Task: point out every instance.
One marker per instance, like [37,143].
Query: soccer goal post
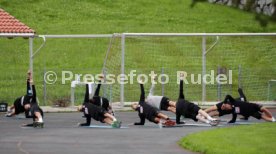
[69,57]
[246,59]
[271,90]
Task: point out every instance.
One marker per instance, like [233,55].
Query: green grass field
[108,17]
[252,139]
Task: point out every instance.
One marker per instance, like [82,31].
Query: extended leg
[172,103]
[214,113]
[167,122]
[172,109]
[162,116]
[12,107]
[38,116]
[38,121]
[108,121]
[11,111]
[157,120]
[266,112]
[202,119]
[203,113]
[107,115]
[10,114]
[267,115]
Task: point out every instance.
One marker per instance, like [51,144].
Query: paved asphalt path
[61,135]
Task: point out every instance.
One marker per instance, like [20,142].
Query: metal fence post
[31,41]
[72,96]
[268,91]
[44,88]
[122,70]
[163,86]
[240,77]
[203,68]
[219,85]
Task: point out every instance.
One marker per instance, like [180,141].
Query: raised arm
[210,109]
[178,116]
[142,96]
[234,117]
[242,96]
[88,120]
[151,93]
[29,89]
[181,93]
[86,96]
[85,110]
[97,92]
[29,82]
[34,91]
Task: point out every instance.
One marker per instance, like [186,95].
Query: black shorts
[101,119]
[99,115]
[152,115]
[105,104]
[191,115]
[192,111]
[257,115]
[101,102]
[18,107]
[257,107]
[27,100]
[164,103]
[35,108]
[255,110]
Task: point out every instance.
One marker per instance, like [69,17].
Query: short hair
[228,100]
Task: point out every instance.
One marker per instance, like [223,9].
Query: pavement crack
[20,148]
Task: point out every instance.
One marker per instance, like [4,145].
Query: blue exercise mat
[103,126]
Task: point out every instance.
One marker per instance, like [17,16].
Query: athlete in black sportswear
[246,109]
[217,111]
[146,111]
[20,103]
[190,110]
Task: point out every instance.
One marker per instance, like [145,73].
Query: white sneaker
[38,124]
[8,114]
[160,124]
[9,111]
[214,122]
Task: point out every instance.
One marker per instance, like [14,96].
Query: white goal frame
[204,51]
[126,35]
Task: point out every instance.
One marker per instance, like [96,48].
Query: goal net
[271,93]
[245,59]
